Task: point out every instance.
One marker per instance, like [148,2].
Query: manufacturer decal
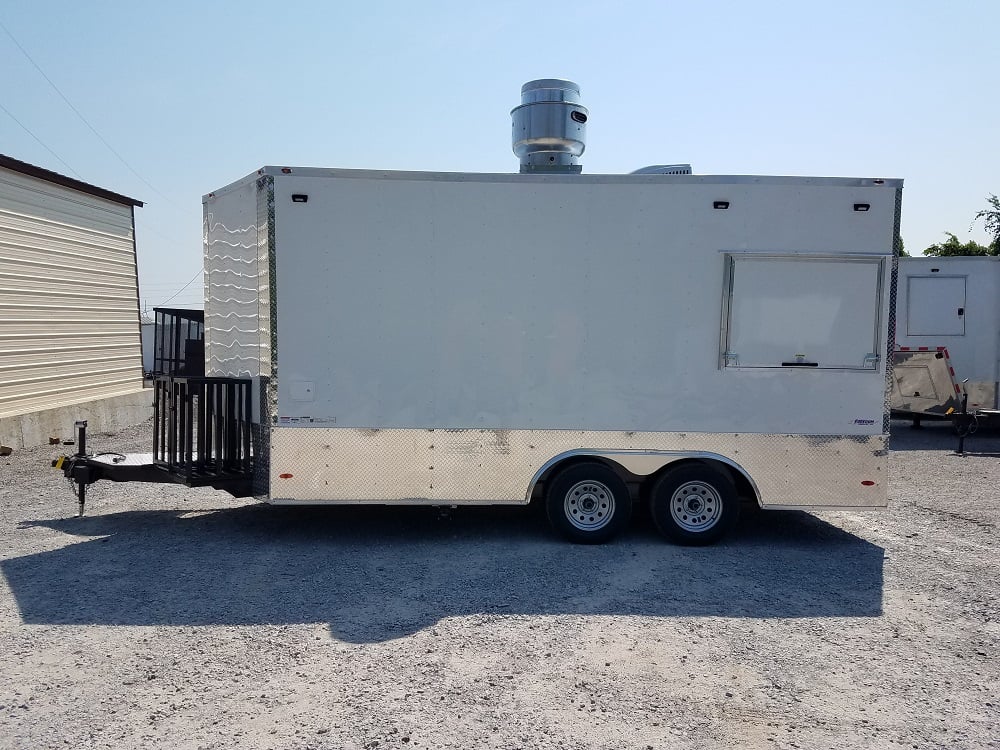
[864,422]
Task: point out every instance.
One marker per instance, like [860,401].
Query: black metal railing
[201,429]
[179,342]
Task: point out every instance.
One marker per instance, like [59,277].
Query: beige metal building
[69,306]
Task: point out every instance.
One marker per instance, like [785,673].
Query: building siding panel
[69,309]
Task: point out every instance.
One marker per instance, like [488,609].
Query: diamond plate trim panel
[266,277]
[340,465]
[897,241]
[267,334]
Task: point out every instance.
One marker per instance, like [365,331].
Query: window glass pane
[806,311]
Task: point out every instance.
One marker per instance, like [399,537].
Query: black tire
[694,504]
[588,503]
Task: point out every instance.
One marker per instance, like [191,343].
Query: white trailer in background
[593,341]
[954,303]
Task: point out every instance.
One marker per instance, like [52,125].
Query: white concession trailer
[593,341]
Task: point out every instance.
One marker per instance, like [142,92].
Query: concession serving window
[802,311]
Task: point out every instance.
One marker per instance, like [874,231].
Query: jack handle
[77,467]
[962,420]
[81,451]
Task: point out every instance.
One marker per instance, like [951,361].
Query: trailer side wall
[563,304]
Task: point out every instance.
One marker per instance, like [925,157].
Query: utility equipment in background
[923,385]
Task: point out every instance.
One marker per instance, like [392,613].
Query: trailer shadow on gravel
[375,574]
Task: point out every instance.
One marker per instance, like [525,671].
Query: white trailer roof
[276,171]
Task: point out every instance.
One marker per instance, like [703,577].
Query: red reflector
[866,482]
[284,476]
[285,170]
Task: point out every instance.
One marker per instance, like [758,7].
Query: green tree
[991,221]
[953,246]
[899,244]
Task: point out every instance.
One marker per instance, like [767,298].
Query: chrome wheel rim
[589,505]
[696,506]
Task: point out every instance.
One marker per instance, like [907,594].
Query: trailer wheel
[694,505]
[588,503]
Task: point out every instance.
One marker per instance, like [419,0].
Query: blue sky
[195,95]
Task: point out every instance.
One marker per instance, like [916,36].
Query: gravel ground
[177,618]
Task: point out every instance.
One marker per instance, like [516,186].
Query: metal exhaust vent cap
[549,128]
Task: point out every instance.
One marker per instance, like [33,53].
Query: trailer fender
[640,463]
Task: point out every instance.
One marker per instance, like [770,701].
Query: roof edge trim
[60,179]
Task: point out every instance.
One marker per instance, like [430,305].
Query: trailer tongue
[201,438]
[83,468]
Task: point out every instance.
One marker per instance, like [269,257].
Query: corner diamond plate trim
[341,465]
[267,335]
[891,337]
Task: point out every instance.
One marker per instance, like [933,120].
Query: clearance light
[284,476]
[866,483]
